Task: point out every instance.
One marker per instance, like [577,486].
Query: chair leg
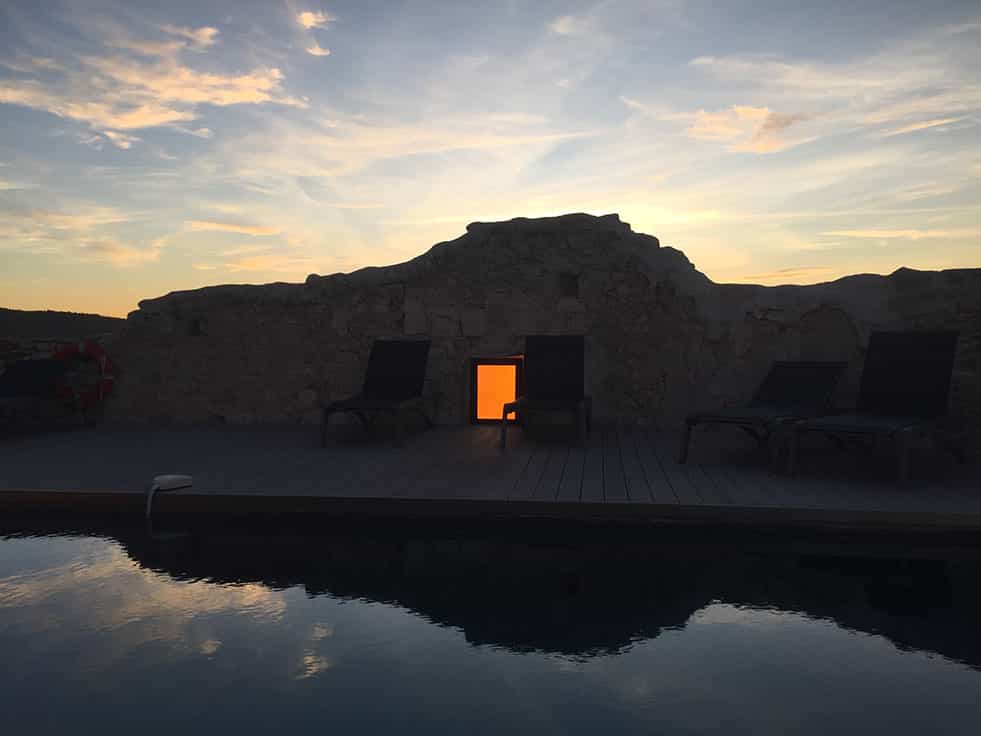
[399,417]
[774,439]
[902,439]
[685,441]
[504,428]
[793,439]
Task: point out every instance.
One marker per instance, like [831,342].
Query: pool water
[118,632]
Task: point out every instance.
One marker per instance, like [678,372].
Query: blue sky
[147,149]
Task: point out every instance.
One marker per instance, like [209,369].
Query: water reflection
[611,634]
[555,596]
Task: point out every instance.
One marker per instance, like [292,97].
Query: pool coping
[129,503]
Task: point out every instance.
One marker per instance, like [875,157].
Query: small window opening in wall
[569,285]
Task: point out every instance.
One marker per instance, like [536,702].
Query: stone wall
[662,338]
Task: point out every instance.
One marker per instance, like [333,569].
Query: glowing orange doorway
[495,383]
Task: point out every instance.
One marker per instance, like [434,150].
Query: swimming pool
[112,631]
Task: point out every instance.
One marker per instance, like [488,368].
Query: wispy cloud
[271,263]
[199,38]
[923,125]
[230,227]
[343,147]
[741,127]
[910,234]
[121,140]
[150,89]
[314,19]
[317,50]
[802,275]
[115,252]
[571,25]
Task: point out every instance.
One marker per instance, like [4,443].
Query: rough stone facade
[662,339]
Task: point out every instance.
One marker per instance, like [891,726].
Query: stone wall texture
[662,339]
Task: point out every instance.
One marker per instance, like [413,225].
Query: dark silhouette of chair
[903,393]
[392,386]
[791,390]
[553,371]
[26,383]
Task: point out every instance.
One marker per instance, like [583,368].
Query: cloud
[571,25]
[200,38]
[909,234]
[65,104]
[151,88]
[924,125]
[800,275]
[30,64]
[743,127]
[345,146]
[317,50]
[926,77]
[79,234]
[245,250]
[229,227]
[147,48]
[270,263]
[196,132]
[172,82]
[122,140]
[314,19]
[115,252]
[726,125]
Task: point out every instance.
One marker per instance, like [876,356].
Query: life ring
[92,394]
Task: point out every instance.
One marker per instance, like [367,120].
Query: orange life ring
[87,350]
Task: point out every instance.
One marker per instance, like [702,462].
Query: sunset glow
[148,148]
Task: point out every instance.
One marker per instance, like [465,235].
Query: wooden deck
[623,472]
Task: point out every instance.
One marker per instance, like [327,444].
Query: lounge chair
[903,393]
[26,384]
[791,390]
[553,381]
[392,386]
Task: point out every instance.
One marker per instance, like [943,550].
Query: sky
[149,147]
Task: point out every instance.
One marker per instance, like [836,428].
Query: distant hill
[20,324]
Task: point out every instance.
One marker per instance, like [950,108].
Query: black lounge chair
[26,384]
[791,390]
[392,386]
[553,381]
[903,393]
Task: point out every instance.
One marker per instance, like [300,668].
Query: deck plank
[548,483]
[681,477]
[570,485]
[614,480]
[638,489]
[657,480]
[592,471]
[525,484]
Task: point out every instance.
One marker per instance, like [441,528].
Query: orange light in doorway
[495,387]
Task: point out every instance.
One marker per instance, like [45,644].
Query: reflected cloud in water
[484,634]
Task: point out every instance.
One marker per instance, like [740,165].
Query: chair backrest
[907,374]
[553,367]
[806,385]
[34,378]
[396,369]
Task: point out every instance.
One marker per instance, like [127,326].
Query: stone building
[662,339]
